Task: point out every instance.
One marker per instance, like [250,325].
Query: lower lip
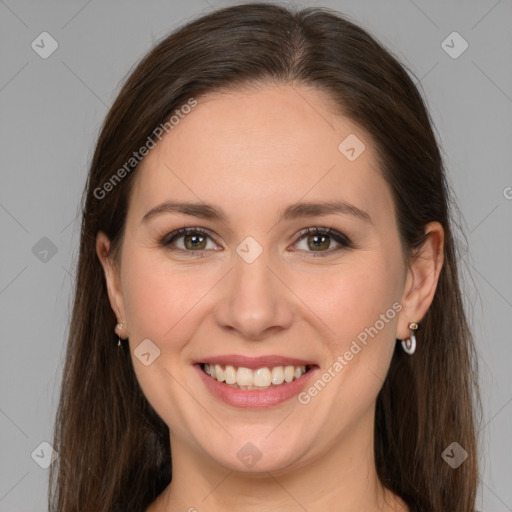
[254,398]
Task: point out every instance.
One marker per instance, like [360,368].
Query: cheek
[165,301]
[148,294]
[351,298]
[162,305]
[360,306]
[158,300]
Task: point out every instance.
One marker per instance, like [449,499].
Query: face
[264,287]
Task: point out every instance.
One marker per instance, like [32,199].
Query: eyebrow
[294,211]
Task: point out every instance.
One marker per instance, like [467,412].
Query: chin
[257,453]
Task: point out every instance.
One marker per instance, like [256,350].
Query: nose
[255,301]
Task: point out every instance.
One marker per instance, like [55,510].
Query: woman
[267,286]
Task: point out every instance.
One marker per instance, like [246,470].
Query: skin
[254,153]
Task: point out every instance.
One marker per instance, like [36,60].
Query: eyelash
[343,240]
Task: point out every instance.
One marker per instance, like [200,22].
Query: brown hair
[113,448]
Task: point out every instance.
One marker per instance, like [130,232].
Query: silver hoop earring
[409,345]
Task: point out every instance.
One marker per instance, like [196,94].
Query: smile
[255,382]
[259,379]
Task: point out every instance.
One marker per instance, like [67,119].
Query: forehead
[250,150]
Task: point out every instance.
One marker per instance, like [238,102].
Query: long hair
[113,448]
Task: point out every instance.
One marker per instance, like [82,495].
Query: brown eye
[195,240]
[320,240]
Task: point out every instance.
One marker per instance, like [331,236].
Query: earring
[409,345]
[119,327]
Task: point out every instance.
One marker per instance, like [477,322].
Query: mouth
[255,382]
[259,379]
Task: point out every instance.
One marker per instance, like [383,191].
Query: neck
[342,478]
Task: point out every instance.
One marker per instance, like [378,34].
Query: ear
[111,276]
[422,279]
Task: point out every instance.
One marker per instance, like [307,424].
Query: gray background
[51,110]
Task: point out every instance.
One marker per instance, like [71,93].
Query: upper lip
[255,362]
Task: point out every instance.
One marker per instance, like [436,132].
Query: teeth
[230,375]
[262,378]
[289,373]
[219,373]
[277,375]
[244,377]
